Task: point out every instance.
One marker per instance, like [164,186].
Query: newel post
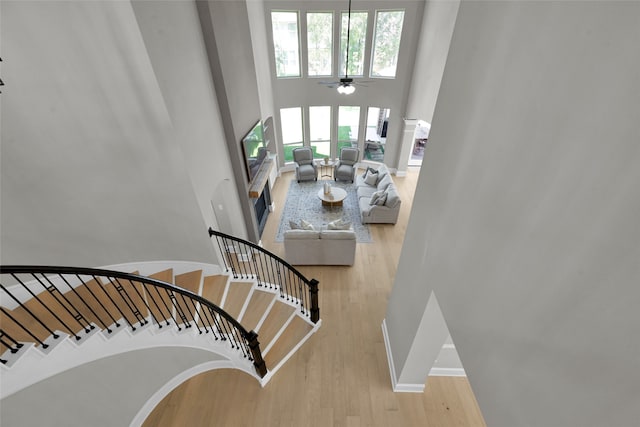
[315,307]
[258,361]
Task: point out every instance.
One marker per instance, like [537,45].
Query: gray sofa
[378,199]
[325,247]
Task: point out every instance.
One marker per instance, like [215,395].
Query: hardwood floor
[340,376]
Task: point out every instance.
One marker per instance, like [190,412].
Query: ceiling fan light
[346,89]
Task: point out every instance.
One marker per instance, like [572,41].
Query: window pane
[285,43]
[291,121]
[320,130]
[386,44]
[348,122]
[357,36]
[376,133]
[319,42]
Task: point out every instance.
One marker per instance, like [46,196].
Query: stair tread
[213,288]
[277,317]
[236,297]
[295,331]
[158,299]
[189,281]
[38,308]
[258,305]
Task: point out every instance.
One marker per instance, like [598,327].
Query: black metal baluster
[11,343]
[153,300]
[254,259]
[24,328]
[206,321]
[77,337]
[190,311]
[225,329]
[216,321]
[117,307]
[261,275]
[239,260]
[143,299]
[128,300]
[98,318]
[52,288]
[169,309]
[272,274]
[178,309]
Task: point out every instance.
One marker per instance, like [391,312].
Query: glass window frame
[287,147]
[332,43]
[342,71]
[314,143]
[375,45]
[352,141]
[275,45]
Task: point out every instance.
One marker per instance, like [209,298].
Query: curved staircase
[54,323]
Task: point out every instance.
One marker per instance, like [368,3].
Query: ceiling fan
[346,85]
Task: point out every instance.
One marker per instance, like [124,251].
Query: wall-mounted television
[254,149]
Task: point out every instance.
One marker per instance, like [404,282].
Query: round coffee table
[334,198]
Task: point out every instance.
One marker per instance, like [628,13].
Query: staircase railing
[247,260]
[43,299]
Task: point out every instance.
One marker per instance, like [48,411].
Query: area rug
[303,203]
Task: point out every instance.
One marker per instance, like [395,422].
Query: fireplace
[261,205]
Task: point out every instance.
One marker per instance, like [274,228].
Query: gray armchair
[306,168]
[345,168]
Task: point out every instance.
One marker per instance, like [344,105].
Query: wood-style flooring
[340,376]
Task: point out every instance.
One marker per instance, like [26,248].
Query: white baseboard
[447,372]
[397,387]
[415,388]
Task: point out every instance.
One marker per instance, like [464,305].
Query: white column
[406,145]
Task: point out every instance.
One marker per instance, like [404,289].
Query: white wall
[90,152]
[526,223]
[433,47]
[175,45]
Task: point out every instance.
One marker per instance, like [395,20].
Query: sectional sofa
[378,196]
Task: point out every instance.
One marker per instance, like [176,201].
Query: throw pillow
[305,225]
[294,225]
[383,182]
[393,198]
[378,198]
[371,178]
[339,224]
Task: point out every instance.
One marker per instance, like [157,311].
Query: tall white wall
[98,139]
[433,46]
[526,225]
[175,45]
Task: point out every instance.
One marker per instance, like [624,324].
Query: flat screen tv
[254,149]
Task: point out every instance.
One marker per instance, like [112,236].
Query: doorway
[420,138]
